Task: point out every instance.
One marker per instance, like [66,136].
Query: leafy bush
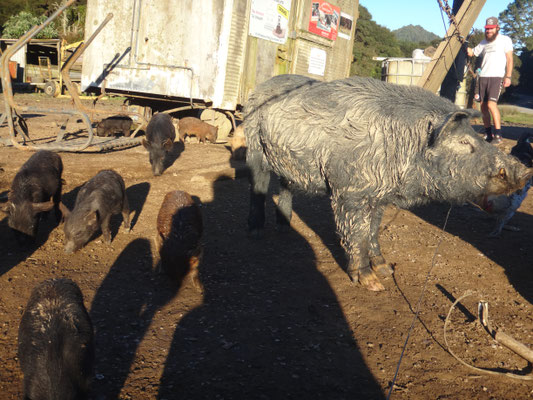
[17,25]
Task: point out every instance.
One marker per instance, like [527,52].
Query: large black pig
[35,184]
[367,144]
[160,136]
[56,343]
[99,198]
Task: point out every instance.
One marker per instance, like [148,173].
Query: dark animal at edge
[502,207]
[367,144]
[160,136]
[56,343]
[114,124]
[179,234]
[35,189]
[99,198]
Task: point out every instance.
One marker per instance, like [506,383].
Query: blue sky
[394,14]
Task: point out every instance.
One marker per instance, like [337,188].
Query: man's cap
[492,22]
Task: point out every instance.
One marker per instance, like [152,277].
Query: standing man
[496,70]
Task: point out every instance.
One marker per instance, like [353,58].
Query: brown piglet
[190,126]
[178,239]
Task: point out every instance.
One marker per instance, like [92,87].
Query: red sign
[324,19]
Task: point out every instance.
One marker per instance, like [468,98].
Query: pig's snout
[508,179]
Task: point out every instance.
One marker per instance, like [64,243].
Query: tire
[51,89]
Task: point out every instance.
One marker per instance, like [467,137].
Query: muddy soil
[278,318]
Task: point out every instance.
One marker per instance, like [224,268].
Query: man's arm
[508,69]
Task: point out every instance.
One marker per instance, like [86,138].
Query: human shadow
[137,195]
[173,154]
[510,250]
[270,325]
[122,310]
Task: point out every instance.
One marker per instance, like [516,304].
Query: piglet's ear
[40,207]
[167,144]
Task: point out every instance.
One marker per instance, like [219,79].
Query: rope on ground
[483,308]
[417,311]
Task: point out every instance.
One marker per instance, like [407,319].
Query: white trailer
[212,53]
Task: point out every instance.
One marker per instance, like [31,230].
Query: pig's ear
[146,144]
[167,144]
[454,119]
[40,207]
[92,218]
[64,209]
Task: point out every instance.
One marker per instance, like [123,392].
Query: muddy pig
[367,144]
[116,123]
[160,136]
[37,181]
[179,233]
[99,198]
[190,126]
[56,343]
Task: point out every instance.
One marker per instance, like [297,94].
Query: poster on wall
[345,26]
[324,19]
[317,61]
[269,19]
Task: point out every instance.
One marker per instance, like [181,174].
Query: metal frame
[13,111]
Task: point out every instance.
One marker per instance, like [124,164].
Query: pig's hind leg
[126,214]
[353,218]
[377,260]
[284,207]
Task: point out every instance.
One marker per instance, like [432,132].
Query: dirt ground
[278,318]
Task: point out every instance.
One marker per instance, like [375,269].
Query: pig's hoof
[380,266]
[370,281]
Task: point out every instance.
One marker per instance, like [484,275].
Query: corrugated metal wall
[236,51]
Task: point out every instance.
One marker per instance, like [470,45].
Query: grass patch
[513,116]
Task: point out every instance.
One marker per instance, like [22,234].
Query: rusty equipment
[13,112]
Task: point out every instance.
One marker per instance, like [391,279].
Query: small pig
[56,343]
[99,198]
[160,136]
[179,232]
[116,123]
[238,144]
[37,181]
[190,126]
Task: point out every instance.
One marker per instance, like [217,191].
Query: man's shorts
[488,89]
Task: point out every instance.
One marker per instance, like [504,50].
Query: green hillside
[414,33]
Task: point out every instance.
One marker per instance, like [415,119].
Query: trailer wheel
[51,89]
[219,120]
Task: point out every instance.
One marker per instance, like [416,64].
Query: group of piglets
[56,338]
[161,134]
[36,189]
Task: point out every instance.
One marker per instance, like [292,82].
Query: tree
[18,25]
[371,40]
[517,22]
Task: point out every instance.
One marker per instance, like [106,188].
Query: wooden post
[450,46]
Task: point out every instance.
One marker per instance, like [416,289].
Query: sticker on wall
[317,61]
[324,19]
[345,26]
[269,20]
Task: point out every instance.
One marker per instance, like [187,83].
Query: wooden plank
[447,51]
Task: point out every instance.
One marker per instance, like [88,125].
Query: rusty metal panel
[160,47]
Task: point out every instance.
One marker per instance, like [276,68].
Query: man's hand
[470,52]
